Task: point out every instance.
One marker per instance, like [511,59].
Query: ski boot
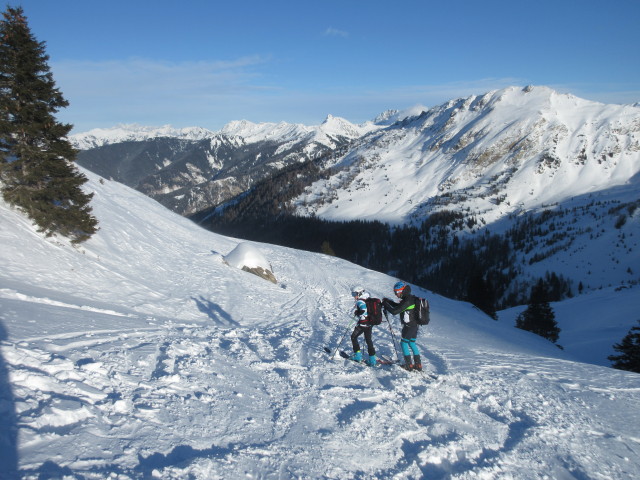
[407,363]
[357,356]
[417,363]
[373,361]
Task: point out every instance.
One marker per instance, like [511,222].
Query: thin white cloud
[150,78]
[144,91]
[334,32]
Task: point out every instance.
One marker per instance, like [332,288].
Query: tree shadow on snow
[8,423]
[215,312]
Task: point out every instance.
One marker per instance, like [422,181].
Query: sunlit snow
[143,354]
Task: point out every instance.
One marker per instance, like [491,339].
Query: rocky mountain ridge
[506,151]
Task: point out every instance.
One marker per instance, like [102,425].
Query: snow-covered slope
[506,151]
[141,354]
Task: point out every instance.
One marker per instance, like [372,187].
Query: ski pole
[393,337]
[341,340]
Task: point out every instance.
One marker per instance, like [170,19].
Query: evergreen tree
[326,249]
[629,351]
[539,317]
[37,174]
[481,294]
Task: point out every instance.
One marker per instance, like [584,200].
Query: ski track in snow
[266,388]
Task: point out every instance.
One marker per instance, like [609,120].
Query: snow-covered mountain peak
[326,133]
[386,118]
[257,132]
[389,117]
[340,127]
[135,133]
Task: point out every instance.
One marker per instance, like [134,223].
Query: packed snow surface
[142,354]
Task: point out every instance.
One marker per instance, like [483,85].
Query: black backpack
[374,311]
[422,306]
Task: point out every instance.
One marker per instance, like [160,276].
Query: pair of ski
[382,361]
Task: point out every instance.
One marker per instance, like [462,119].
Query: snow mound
[248,258]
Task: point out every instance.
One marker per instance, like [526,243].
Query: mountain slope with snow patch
[516,148]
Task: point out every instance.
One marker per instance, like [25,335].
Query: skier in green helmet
[407,309]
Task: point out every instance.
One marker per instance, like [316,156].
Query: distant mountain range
[518,148]
[191,169]
[495,159]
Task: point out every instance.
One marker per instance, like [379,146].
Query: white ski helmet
[357,291]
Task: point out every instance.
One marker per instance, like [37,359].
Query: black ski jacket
[407,306]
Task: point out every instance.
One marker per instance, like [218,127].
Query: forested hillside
[492,270]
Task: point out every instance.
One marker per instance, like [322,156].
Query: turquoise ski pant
[408,342]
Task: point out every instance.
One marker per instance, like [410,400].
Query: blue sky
[206,63]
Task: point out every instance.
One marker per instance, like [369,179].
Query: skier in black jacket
[408,309]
